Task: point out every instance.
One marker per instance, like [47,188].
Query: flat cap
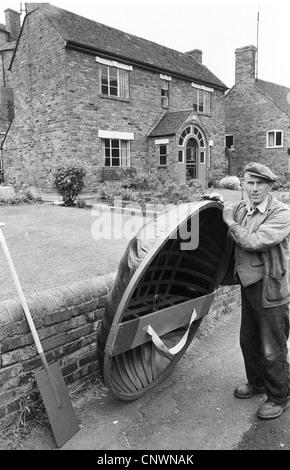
[257,169]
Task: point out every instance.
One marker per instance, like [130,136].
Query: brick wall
[59,109]
[66,319]
[38,135]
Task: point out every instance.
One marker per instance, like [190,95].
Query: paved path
[194,409]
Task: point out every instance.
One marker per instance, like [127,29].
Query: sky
[217,28]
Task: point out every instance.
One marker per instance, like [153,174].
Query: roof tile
[77,29]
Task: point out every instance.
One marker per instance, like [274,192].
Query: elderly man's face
[256,188]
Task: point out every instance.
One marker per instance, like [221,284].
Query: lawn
[52,245]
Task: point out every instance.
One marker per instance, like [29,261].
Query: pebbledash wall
[66,318]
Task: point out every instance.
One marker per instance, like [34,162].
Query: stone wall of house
[249,114]
[59,109]
[66,319]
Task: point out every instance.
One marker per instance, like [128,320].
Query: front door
[191,159]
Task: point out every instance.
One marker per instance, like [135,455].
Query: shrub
[282,184]
[153,188]
[230,182]
[21,197]
[68,179]
[196,185]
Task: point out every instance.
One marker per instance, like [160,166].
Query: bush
[281,184]
[230,182]
[68,179]
[152,188]
[21,197]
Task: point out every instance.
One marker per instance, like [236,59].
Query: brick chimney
[196,54]
[245,64]
[13,26]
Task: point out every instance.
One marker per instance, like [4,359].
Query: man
[260,231]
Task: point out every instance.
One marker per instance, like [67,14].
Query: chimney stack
[13,26]
[195,54]
[245,63]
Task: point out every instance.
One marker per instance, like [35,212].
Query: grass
[54,245]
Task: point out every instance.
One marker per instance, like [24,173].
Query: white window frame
[124,148]
[122,77]
[165,93]
[203,98]
[162,155]
[233,144]
[274,133]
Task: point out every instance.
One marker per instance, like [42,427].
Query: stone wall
[249,114]
[66,319]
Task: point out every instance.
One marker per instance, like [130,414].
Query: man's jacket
[269,240]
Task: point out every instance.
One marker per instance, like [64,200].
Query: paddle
[49,380]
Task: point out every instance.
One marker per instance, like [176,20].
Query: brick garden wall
[66,319]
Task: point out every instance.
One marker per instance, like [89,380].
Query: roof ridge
[272,83]
[147,52]
[274,98]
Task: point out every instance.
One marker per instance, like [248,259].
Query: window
[201,101]
[184,133]
[229,141]
[116,153]
[164,93]
[274,139]
[114,78]
[162,155]
[114,82]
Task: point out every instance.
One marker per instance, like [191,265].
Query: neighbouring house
[257,119]
[112,99]
[8,36]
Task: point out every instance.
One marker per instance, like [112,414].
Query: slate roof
[7,46]
[170,123]
[79,31]
[278,93]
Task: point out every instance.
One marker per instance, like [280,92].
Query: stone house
[257,119]
[112,99]
[8,35]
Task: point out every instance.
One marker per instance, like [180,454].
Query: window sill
[114,98]
[275,147]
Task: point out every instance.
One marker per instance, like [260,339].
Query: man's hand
[213,197]
[228,213]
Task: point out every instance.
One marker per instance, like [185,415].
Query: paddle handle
[20,291]
[28,314]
